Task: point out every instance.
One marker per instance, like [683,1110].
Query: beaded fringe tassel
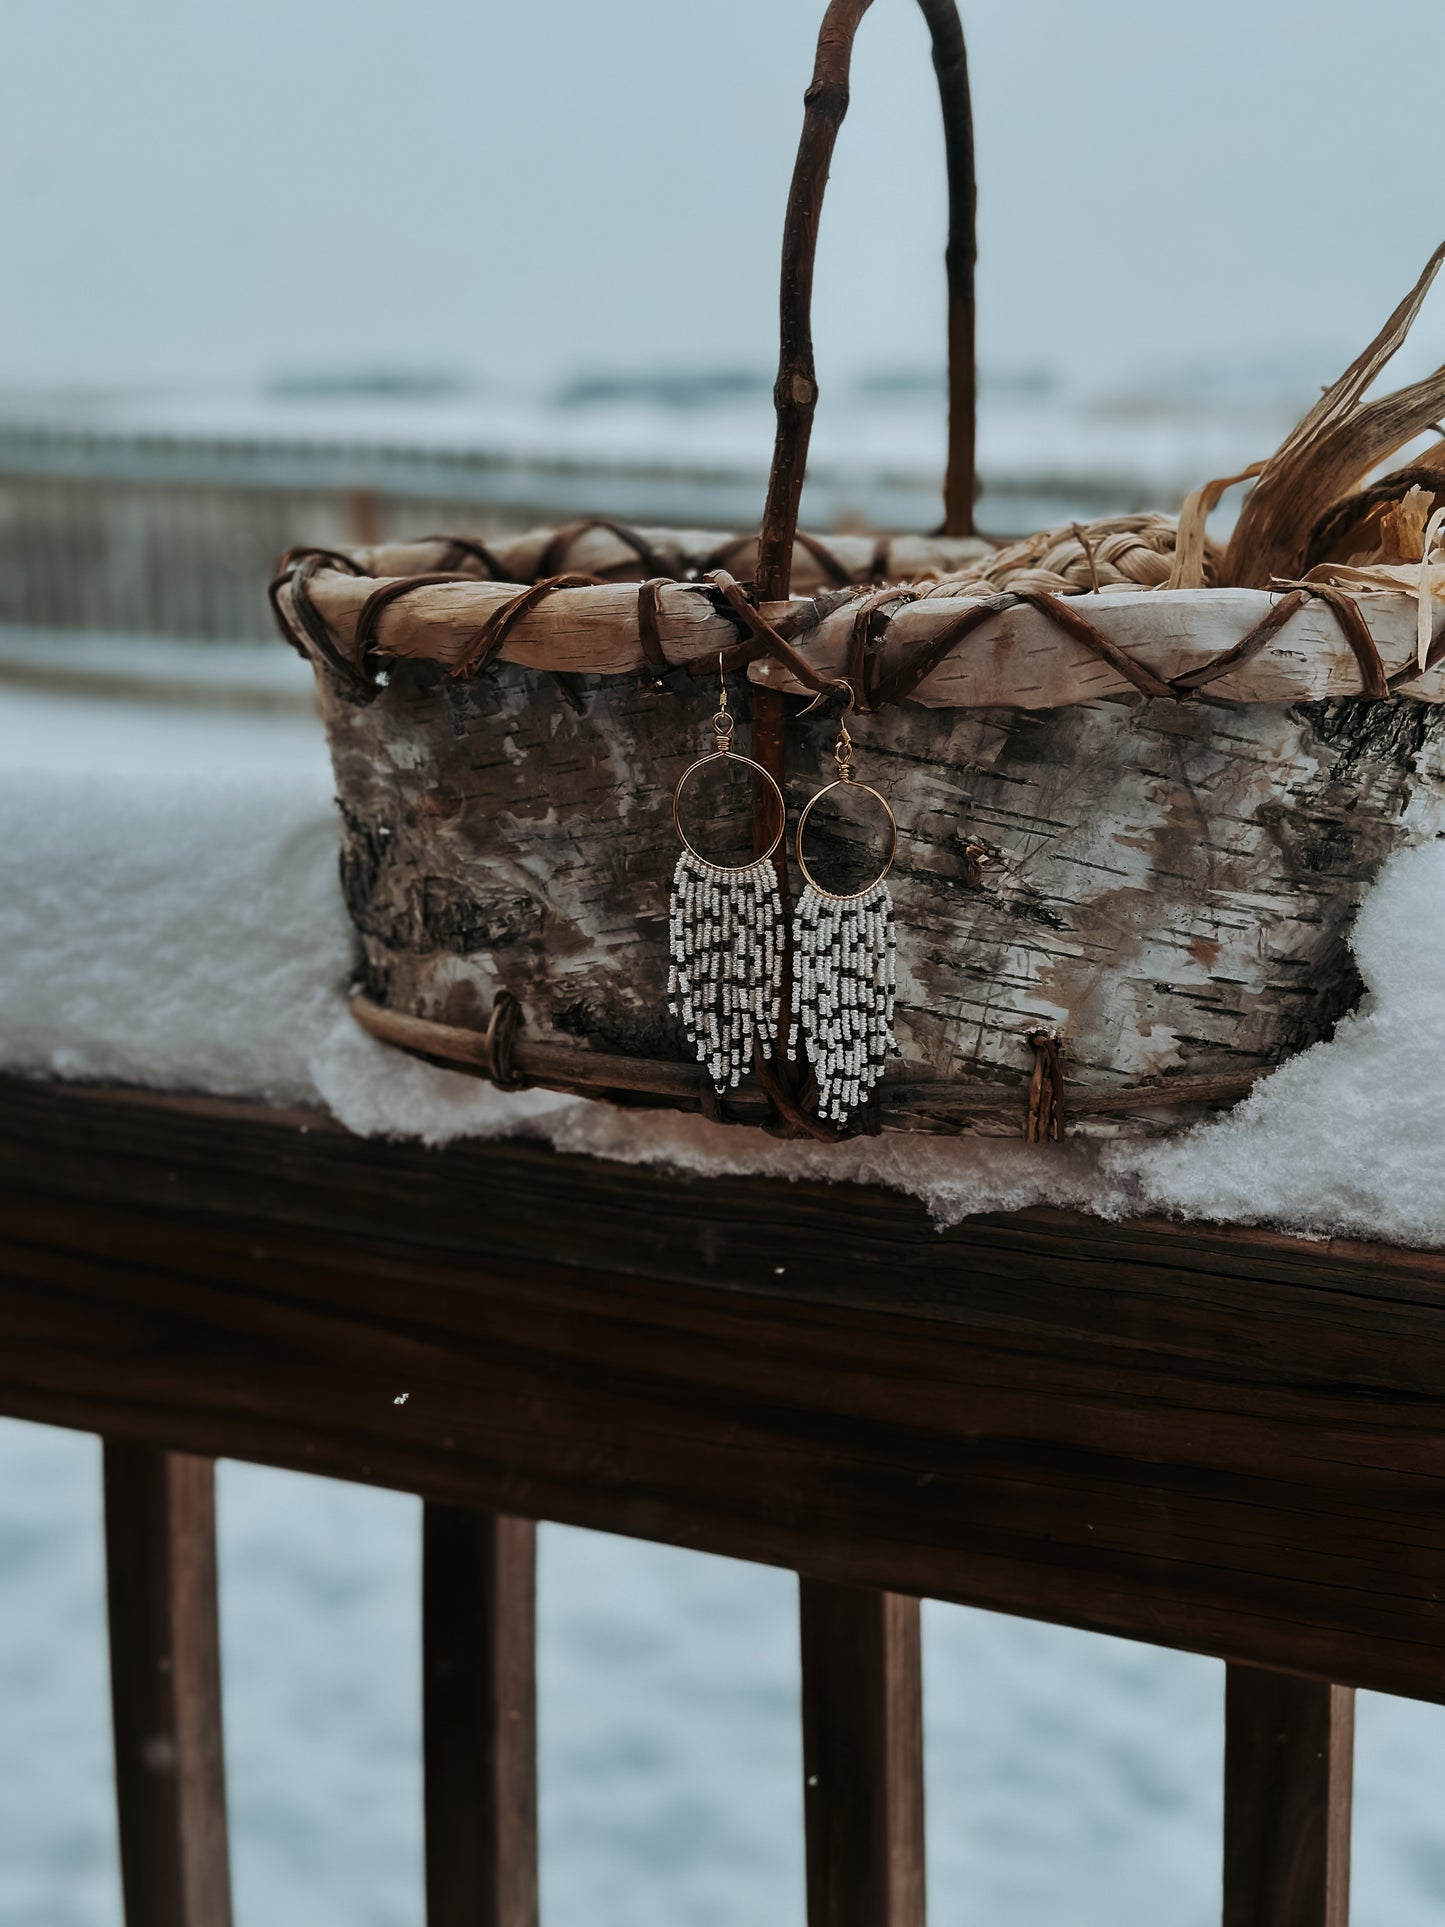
[725,981]
[843,986]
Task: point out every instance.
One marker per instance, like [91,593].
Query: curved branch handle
[796,393]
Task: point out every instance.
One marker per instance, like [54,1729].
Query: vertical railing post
[862,1756]
[479,1591]
[1288,1762]
[165,1672]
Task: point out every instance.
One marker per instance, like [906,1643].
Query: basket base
[900,1102]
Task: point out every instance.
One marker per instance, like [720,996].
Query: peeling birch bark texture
[1169,884]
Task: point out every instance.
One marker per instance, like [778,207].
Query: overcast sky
[220,189]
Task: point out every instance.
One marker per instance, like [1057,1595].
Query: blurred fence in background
[169,537]
[143,518]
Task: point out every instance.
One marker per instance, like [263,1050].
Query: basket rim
[1035,650]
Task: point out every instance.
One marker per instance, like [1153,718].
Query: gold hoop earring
[725,933]
[845,963]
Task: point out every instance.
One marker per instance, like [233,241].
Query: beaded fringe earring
[725,935]
[844,966]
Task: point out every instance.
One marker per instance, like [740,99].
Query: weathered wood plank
[862,1756]
[479,1598]
[1288,1761]
[1219,1440]
[165,1669]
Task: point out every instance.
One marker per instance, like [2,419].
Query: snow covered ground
[687,449]
[1071,1779]
[169,914]
[1163,435]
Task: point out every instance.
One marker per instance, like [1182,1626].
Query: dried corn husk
[1340,440]
[1195,561]
[1424,577]
[1404,527]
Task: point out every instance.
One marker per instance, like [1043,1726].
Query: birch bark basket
[1141,819]
[1168,884]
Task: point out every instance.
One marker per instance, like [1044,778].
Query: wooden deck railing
[184,555]
[157,536]
[1224,1441]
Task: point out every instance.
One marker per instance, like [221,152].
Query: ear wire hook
[843,748]
[830,682]
[722,722]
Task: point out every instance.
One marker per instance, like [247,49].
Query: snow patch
[1347,1136]
[178,923]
